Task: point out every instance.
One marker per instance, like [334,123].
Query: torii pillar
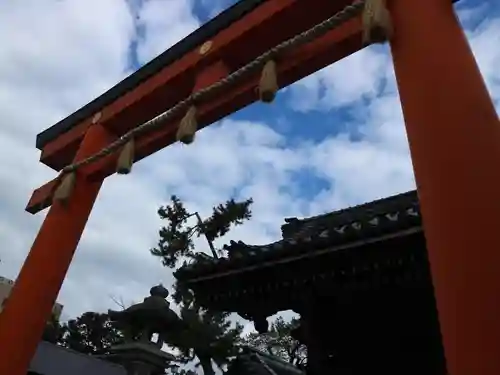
[60,231]
[454,136]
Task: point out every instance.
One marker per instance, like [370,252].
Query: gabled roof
[366,222]
[298,229]
[255,362]
[51,359]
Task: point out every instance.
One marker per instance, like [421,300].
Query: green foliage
[211,337]
[279,342]
[225,215]
[90,333]
[53,331]
[176,237]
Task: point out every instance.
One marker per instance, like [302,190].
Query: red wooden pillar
[35,291]
[454,136]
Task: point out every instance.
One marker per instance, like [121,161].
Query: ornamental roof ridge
[293,225]
[369,220]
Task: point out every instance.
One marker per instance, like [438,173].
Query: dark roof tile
[364,221]
[255,362]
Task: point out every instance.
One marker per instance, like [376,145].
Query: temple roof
[305,237]
[255,362]
[196,38]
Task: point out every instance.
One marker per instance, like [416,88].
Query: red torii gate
[452,128]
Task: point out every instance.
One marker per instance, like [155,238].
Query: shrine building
[358,277]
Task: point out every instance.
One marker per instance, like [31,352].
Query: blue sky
[329,141]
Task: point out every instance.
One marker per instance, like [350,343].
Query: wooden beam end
[41,198]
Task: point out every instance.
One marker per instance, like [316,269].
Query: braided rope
[303,38]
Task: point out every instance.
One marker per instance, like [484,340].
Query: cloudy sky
[332,140]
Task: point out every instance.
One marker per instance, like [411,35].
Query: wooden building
[359,278]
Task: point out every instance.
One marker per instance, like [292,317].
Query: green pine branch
[176,236]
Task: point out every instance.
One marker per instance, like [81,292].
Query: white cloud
[58,55]
[163,23]
[355,78]
[485,39]
[55,57]
[377,163]
[58,45]
[214,7]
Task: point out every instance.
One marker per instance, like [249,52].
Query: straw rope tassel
[65,187]
[126,158]
[268,85]
[377,24]
[187,127]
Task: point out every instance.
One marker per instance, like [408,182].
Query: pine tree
[211,337]
[176,237]
[54,331]
[279,342]
[90,333]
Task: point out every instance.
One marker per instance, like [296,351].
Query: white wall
[6,286]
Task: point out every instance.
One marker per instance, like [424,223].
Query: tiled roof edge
[402,212]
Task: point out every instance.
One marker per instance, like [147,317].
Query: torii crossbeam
[452,127]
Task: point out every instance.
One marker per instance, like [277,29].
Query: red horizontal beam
[299,63]
[261,29]
[41,198]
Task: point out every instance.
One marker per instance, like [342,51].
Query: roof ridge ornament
[412,211]
[392,216]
